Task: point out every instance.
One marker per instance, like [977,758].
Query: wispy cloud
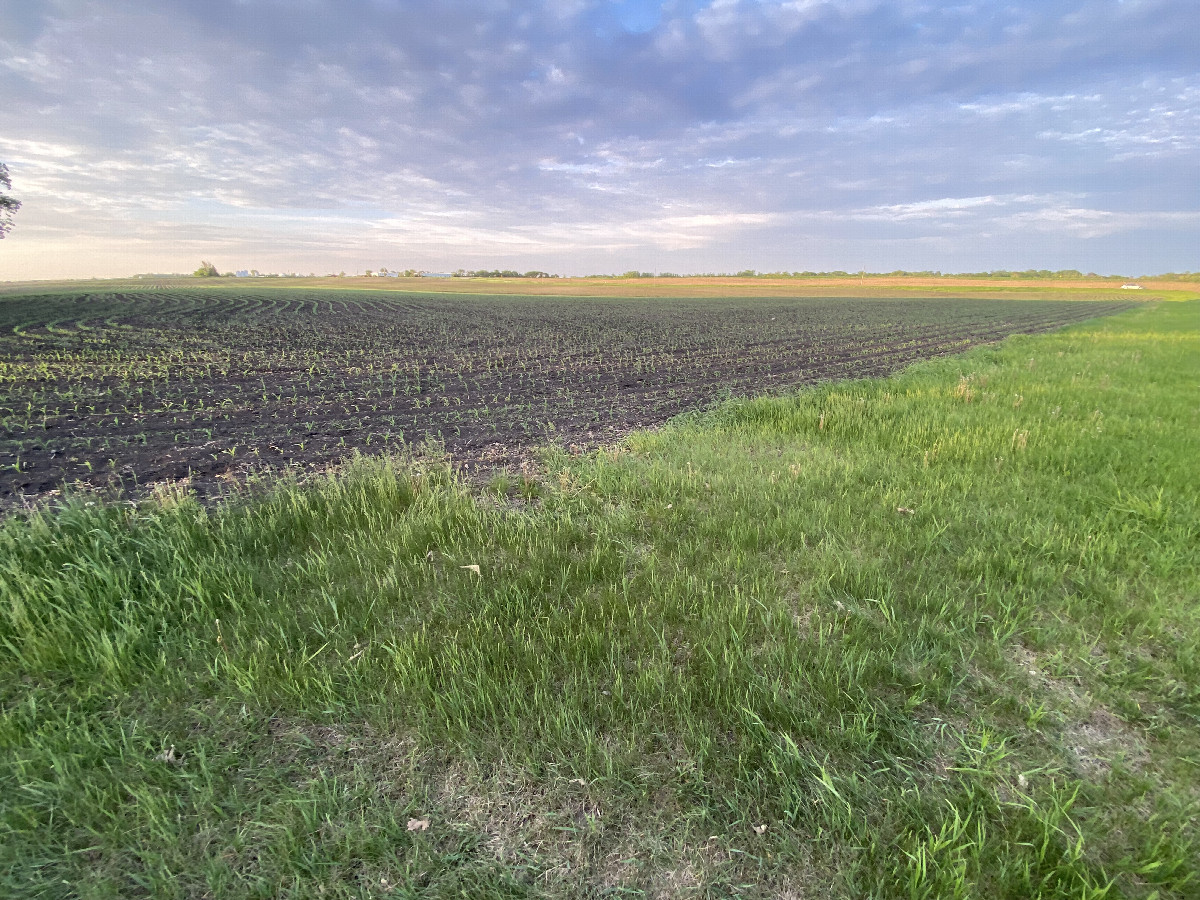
[590,135]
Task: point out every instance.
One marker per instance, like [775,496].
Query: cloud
[603,129]
[1095,223]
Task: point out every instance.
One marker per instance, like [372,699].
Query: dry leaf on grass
[904,510]
[760,829]
[474,569]
[170,756]
[418,824]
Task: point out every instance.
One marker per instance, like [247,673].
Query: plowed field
[124,390]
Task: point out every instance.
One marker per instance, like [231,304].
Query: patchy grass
[934,635]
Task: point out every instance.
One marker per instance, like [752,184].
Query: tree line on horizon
[208,270]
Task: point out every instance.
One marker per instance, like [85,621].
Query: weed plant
[933,635]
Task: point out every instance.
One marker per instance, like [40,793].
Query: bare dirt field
[128,389]
[879,286]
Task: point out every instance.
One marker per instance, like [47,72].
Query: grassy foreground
[936,635]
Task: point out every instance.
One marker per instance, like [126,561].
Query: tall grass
[929,636]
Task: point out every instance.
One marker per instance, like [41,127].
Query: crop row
[132,388]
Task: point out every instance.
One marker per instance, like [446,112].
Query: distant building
[242,273]
[436,275]
[1131,287]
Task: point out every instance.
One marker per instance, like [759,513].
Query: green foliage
[206,270]
[927,636]
[8,204]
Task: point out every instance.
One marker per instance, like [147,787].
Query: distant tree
[8,205]
[206,270]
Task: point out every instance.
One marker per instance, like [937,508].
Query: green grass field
[936,635]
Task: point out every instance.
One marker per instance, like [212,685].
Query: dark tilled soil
[126,391]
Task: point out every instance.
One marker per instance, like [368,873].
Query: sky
[589,136]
